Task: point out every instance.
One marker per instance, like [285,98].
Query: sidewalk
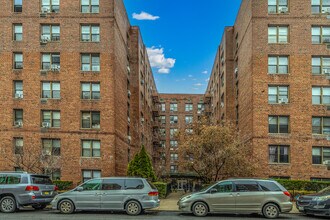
[170,203]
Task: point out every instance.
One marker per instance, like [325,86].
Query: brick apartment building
[271,78]
[76,88]
[78,93]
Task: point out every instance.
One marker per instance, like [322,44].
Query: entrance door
[182,184]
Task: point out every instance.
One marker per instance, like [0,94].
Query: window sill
[279,13]
[278,74]
[82,157]
[279,43]
[320,136]
[284,164]
[97,42]
[90,72]
[319,165]
[90,100]
[91,129]
[279,103]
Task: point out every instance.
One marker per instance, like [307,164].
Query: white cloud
[208,79]
[198,84]
[157,60]
[205,72]
[195,88]
[190,76]
[145,16]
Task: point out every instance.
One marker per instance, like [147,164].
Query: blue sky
[182,37]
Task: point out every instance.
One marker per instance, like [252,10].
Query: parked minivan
[19,189]
[114,193]
[239,196]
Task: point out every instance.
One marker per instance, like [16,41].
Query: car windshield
[326,190]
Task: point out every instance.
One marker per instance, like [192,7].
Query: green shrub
[163,189]
[303,185]
[63,185]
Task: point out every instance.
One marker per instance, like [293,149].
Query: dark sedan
[315,204]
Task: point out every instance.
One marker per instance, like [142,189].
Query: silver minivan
[239,196]
[114,193]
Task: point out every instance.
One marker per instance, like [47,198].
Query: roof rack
[13,172]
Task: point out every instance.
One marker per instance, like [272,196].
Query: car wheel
[270,211]
[8,204]
[200,209]
[39,206]
[66,207]
[133,208]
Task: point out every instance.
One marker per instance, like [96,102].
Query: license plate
[301,208]
[46,193]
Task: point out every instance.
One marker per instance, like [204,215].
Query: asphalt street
[156,215]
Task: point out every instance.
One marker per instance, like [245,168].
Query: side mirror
[213,191]
[79,189]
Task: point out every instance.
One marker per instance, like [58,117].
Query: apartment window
[18,5]
[278,94]
[320,6]
[18,89]
[50,61]
[189,107]
[162,105]
[189,130]
[173,144]
[90,6]
[174,168]
[18,61]
[278,64]
[320,34]
[18,32]
[173,119]
[189,119]
[162,132]
[90,33]
[163,119]
[277,6]
[51,5]
[18,116]
[278,34]
[321,95]
[51,147]
[91,148]
[162,144]
[278,124]
[90,120]
[51,90]
[18,145]
[53,118]
[173,107]
[91,174]
[90,62]
[321,125]
[174,157]
[90,90]
[320,65]
[200,107]
[278,154]
[320,154]
[50,32]
[54,174]
[173,132]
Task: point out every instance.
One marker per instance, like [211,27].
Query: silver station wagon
[239,196]
[130,194]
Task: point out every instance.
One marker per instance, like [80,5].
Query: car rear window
[113,184]
[269,186]
[152,185]
[134,184]
[44,180]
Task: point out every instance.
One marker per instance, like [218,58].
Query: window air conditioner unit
[326,162]
[44,39]
[199,112]
[326,71]
[18,95]
[18,124]
[128,69]
[129,93]
[283,9]
[128,120]
[43,100]
[283,100]
[45,10]
[129,138]
[222,104]
[45,124]
[55,68]
[142,82]
[236,70]
[142,119]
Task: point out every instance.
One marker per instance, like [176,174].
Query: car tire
[200,209]
[39,206]
[133,208]
[271,211]
[8,204]
[66,206]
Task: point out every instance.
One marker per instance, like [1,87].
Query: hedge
[63,185]
[303,185]
[163,189]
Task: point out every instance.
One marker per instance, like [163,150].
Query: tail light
[56,188]
[31,188]
[287,193]
[153,194]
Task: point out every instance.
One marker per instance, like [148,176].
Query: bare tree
[214,152]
